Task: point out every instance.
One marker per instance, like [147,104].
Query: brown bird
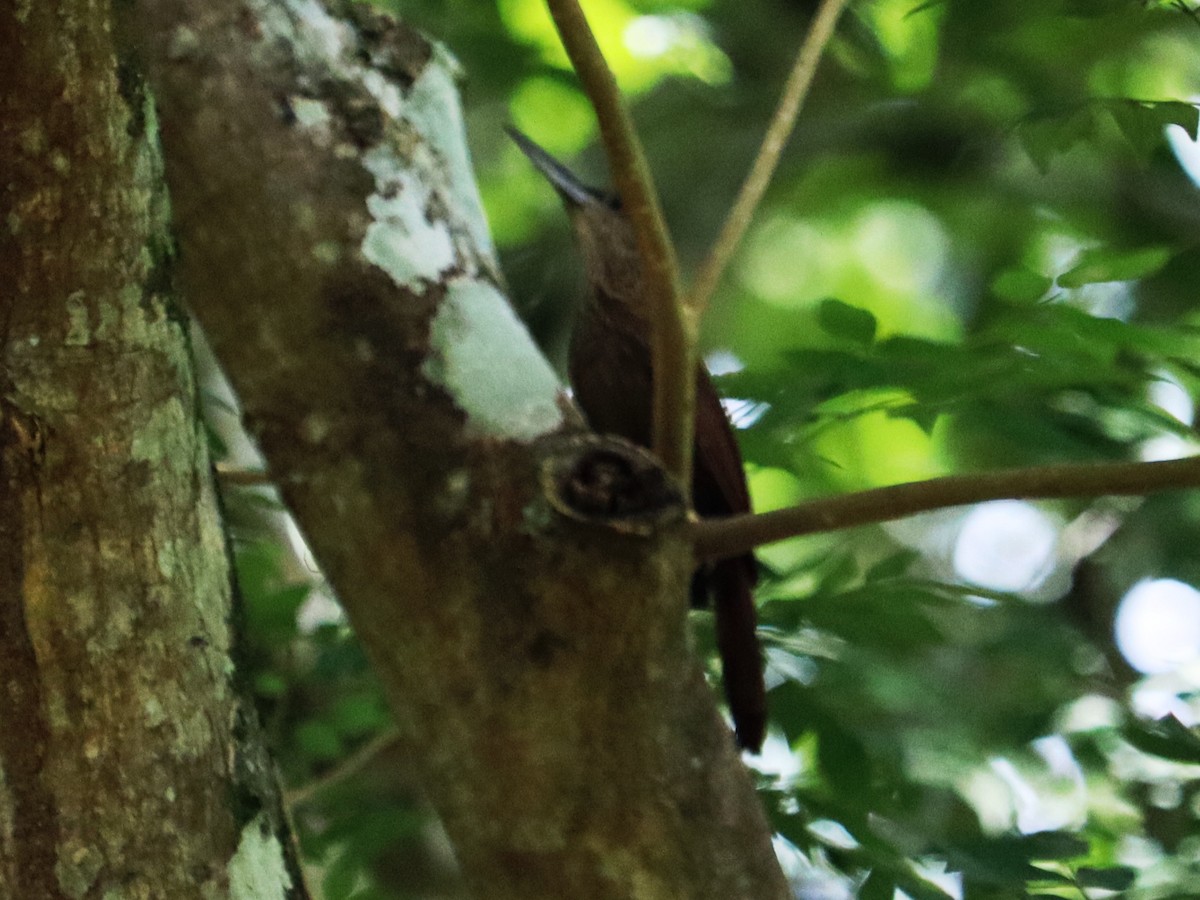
[610,370]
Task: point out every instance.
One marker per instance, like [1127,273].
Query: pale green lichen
[433,108]
[257,870]
[401,239]
[167,558]
[483,356]
[317,38]
[327,252]
[33,140]
[309,113]
[315,428]
[154,712]
[76,868]
[163,439]
[79,329]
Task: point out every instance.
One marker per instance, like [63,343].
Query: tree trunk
[129,765]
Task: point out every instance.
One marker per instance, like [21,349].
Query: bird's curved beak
[569,187]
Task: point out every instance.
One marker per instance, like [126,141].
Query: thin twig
[780,129]
[673,340]
[352,764]
[721,538]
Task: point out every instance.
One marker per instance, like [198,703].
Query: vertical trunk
[129,766]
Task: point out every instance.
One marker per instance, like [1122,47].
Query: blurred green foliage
[980,251]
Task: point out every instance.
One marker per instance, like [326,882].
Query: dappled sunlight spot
[1041,789]
[890,257]
[566,132]
[811,878]
[1090,712]
[933,534]
[1165,446]
[777,760]
[901,251]
[723,362]
[1158,696]
[1156,65]
[990,795]
[909,40]
[1172,398]
[1186,150]
[870,447]
[1008,545]
[772,488]
[743,413]
[1045,794]
[1107,299]
[1056,253]
[650,36]
[1021,795]
[902,245]
[529,21]
[1158,625]
[681,44]
[320,608]
[833,834]
[640,49]
[1062,766]
[790,262]
[1053,250]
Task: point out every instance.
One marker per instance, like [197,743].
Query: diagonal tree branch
[673,342]
[794,93]
[720,538]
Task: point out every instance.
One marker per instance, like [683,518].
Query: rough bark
[128,766]
[519,588]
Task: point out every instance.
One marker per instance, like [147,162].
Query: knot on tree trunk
[606,480]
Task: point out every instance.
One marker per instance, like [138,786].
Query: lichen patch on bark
[481,353]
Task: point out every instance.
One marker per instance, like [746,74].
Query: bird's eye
[611,199]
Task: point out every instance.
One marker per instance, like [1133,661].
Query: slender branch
[673,339]
[720,538]
[352,764]
[778,132]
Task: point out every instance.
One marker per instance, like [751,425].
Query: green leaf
[878,886]
[851,323]
[923,416]
[319,741]
[342,876]
[1009,861]
[1109,264]
[1117,878]
[1020,285]
[1143,123]
[843,760]
[892,566]
[1168,738]
[359,714]
[1054,845]
[1046,136]
[270,685]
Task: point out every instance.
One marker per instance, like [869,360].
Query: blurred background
[980,252]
